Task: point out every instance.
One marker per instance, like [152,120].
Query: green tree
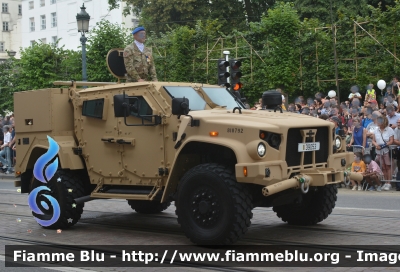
[102,38]
[41,64]
[280,30]
[320,9]
[160,16]
[8,83]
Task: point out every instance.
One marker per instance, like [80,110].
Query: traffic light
[223,75]
[236,74]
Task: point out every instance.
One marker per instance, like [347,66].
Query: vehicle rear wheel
[53,204]
[317,204]
[212,208]
[148,207]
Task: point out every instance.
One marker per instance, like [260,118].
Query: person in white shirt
[355,93]
[5,149]
[384,137]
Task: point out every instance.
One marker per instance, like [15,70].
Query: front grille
[293,157]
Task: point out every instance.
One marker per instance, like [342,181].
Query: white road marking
[344,208]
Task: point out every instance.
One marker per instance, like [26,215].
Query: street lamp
[11,53]
[83,18]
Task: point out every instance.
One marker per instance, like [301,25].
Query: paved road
[111,222]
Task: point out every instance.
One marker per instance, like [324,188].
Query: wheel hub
[205,207]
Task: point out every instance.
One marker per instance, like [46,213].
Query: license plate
[305,147]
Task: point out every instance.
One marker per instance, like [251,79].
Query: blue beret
[136,30]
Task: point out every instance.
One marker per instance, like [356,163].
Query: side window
[143,108]
[93,108]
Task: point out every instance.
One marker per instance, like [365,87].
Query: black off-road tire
[317,204]
[212,208]
[60,191]
[148,207]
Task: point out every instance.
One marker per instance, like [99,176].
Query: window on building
[31,6]
[54,39]
[1,46]
[5,26]
[33,42]
[43,40]
[32,24]
[19,9]
[54,19]
[43,22]
[42,3]
[135,22]
[4,7]
[53,1]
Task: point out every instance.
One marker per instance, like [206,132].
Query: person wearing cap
[374,104]
[138,59]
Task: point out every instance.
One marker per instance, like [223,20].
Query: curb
[8,177]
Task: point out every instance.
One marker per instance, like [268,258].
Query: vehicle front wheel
[212,208]
[317,204]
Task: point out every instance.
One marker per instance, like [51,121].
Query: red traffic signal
[237,86]
[236,74]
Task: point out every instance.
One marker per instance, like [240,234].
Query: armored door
[142,140]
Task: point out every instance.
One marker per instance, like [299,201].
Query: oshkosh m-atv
[152,143]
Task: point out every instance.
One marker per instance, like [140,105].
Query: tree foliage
[103,37]
[287,45]
[160,16]
[8,83]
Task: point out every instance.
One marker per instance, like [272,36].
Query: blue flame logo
[38,200]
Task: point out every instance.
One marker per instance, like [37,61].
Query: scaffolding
[215,47]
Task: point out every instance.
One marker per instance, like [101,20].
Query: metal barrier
[393,162]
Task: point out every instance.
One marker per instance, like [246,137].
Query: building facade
[10,39]
[52,20]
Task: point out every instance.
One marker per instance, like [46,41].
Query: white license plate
[304,147]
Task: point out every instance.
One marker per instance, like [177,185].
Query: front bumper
[270,172]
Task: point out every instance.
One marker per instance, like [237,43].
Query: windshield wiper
[238,102]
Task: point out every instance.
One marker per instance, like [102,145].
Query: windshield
[195,100]
[221,97]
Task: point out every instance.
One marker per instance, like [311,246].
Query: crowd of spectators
[7,143]
[373,127]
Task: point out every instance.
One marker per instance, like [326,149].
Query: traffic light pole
[227,53]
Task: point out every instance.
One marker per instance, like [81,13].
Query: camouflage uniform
[139,65]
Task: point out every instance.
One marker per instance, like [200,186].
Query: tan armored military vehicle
[156,142]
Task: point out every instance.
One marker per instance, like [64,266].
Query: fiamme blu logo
[45,208]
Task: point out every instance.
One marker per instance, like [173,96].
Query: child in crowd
[357,166]
[373,173]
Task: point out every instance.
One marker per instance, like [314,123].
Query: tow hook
[305,184]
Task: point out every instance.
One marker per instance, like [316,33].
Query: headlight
[338,143]
[261,149]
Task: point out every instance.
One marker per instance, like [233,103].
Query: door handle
[122,141]
[109,140]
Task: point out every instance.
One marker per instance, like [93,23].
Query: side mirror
[122,107]
[180,106]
